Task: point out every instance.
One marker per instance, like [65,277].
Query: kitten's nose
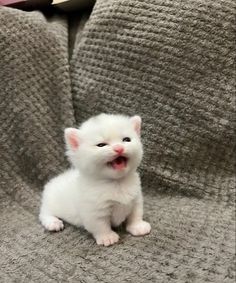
[118,148]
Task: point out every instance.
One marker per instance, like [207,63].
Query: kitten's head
[106,146]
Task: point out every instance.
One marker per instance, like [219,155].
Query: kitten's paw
[53,224]
[107,239]
[139,228]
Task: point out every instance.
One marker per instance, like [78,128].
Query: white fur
[93,194]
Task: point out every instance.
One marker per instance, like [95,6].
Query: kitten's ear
[136,121]
[72,138]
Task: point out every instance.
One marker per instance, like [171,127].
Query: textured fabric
[172,62]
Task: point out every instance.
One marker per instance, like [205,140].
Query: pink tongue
[118,164]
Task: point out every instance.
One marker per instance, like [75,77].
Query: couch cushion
[172,62]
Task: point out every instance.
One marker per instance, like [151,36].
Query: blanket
[173,63]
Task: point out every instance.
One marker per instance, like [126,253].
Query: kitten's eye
[126,139]
[101,144]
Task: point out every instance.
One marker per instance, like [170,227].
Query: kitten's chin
[117,174]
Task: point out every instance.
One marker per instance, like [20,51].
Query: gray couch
[172,62]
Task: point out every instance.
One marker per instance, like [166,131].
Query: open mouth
[118,163]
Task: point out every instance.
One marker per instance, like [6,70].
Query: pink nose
[118,148]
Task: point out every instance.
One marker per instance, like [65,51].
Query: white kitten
[103,189]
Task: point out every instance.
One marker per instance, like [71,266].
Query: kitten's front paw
[107,239]
[139,228]
[53,224]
